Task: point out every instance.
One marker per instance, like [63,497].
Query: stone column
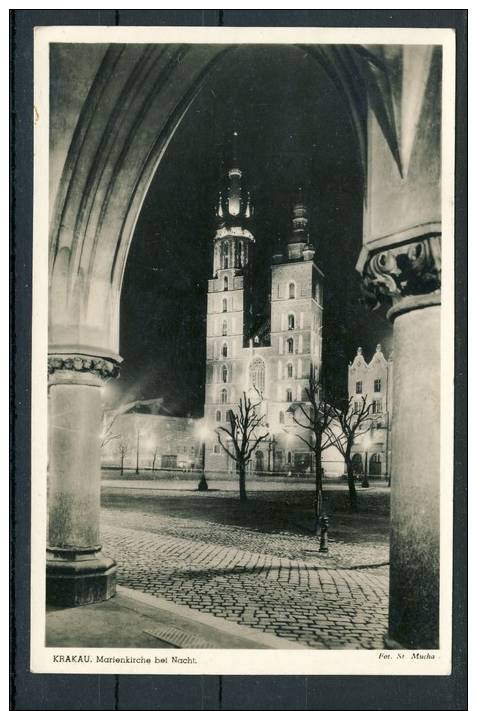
[408,275]
[77,572]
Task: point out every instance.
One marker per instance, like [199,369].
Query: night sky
[293,131]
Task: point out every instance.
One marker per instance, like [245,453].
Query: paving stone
[293,598]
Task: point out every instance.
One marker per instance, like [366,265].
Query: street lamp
[137,454]
[271,453]
[289,441]
[202,434]
[271,447]
[152,448]
[154,460]
[367,444]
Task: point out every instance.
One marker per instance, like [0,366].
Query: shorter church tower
[296,332]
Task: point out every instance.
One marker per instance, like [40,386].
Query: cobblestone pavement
[294,546]
[309,599]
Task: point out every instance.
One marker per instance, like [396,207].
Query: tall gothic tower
[233,241]
[279,364]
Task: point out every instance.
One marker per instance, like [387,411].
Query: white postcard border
[331,662]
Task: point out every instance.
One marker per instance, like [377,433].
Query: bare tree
[314,416]
[243,436]
[107,433]
[123,448]
[353,420]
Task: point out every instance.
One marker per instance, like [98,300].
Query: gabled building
[373,380]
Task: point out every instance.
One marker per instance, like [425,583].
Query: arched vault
[134,105]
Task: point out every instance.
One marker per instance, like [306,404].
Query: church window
[225,374]
[226,255]
[224,350]
[377,385]
[289,395]
[216,448]
[318,293]
[289,370]
[290,345]
[281,418]
[291,290]
[289,458]
[377,407]
[356,407]
[257,374]
[228,416]
[359,386]
[224,328]
[218,416]
[223,396]
[224,305]
[239,254]
[226,283]
[291,322]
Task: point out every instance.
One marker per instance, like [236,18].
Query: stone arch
[121,133]
[120,137]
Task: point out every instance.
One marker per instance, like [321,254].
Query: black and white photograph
[242,351]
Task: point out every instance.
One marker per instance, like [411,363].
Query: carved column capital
[404,276]
[68,366]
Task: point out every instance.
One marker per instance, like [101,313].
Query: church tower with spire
[232,250]
[273,353]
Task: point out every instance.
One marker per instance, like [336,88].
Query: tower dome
[234,205]
[234,213]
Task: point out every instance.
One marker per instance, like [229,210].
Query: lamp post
[137,454]
[271,453]
[365,482]
[367,443]
[202,433]
[271,449]
[149,445]
[289,442]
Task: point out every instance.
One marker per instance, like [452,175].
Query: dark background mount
[46,691]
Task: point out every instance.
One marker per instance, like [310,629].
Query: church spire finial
[220,208]
[235,149]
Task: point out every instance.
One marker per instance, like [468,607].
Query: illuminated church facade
[273,357]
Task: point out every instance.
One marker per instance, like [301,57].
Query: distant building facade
[141,434]
[273,357]
[373,380]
